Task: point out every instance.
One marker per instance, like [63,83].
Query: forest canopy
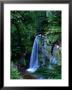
[25,25]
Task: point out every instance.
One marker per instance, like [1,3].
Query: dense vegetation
[25,25]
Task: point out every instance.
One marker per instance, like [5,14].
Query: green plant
[15,74]
[47,73]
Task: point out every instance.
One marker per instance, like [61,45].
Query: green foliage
[15,74]
[47,73]
[54,18]
[22,32]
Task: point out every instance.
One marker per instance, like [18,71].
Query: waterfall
[34,62]
[34,57]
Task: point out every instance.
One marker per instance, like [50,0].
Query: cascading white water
[34,64]
[34,57]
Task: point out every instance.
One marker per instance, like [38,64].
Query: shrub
[15,74]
